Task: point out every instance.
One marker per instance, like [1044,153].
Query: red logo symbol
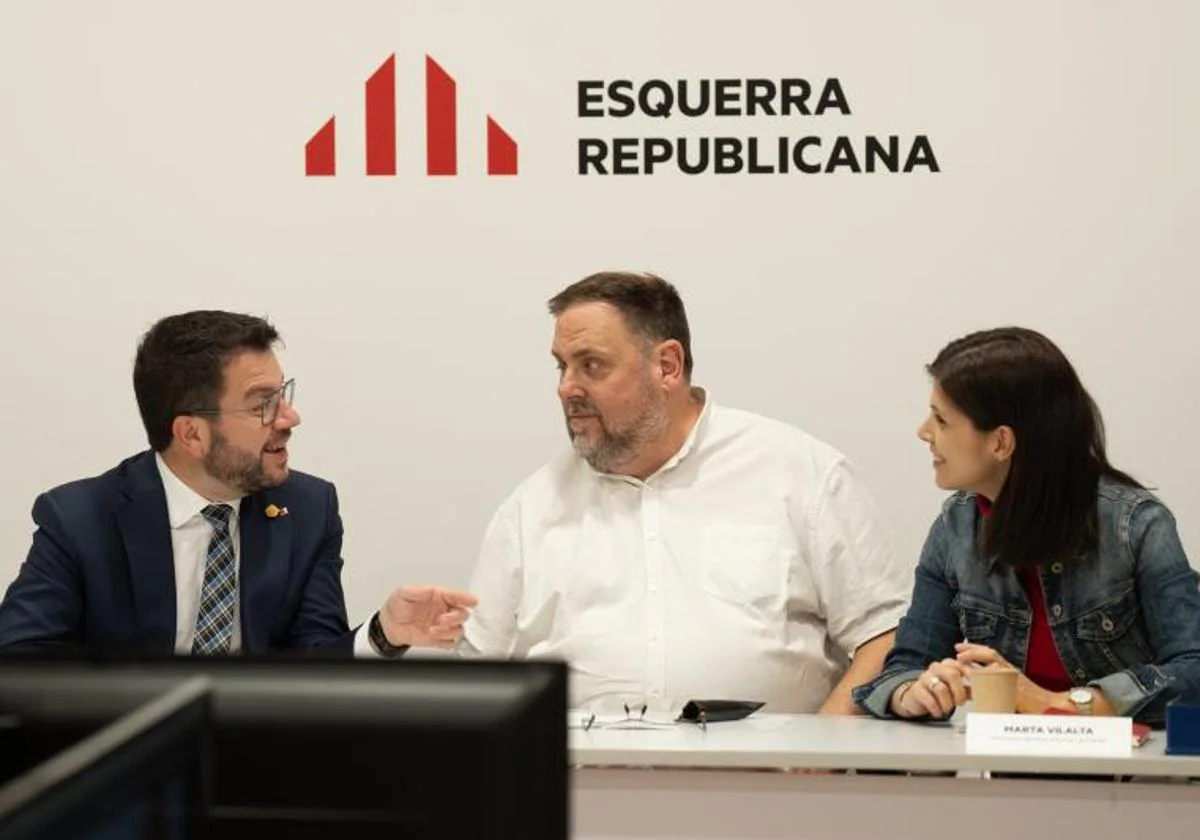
[441,129]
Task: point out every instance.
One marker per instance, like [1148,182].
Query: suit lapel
[146,532]
[266,544]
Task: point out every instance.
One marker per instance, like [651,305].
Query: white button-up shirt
[190,535]
[749,567]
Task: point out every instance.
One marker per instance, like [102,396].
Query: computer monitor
[143,776]
[322,748]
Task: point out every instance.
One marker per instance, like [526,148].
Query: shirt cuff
[875,698]
[872,628]
[1127,693]
[362,644]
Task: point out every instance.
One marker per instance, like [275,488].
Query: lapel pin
[274,511]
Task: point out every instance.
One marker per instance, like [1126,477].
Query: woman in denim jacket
[1046,556]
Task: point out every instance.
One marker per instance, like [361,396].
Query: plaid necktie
[218,596]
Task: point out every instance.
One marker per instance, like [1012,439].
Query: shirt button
[1056,568]
[1080,673]
[1057,610]
[1107,624]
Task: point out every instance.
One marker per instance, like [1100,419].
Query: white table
[729,782]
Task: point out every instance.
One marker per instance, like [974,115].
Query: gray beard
[615,449]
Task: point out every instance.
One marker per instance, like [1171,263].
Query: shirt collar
[984,506]
[183,503]
[689,443]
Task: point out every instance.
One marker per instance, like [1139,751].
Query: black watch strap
[379,640]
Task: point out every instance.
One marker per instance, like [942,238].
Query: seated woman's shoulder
[1114,491]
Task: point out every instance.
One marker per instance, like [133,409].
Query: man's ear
[669,360]
[190,434]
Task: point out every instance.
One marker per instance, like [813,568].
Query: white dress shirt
[749,567]
[190,535]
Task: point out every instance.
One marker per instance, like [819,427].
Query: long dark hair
[1018,378]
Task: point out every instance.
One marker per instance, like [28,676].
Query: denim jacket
[1125,616]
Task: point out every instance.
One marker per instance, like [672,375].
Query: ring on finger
[934,682]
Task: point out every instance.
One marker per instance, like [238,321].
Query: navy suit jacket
[101,573]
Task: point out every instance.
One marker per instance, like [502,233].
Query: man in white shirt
[207,543]
[682,550]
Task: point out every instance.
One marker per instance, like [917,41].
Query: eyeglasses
[267,410]
[635,718]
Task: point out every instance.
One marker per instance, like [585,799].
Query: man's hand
[425,616]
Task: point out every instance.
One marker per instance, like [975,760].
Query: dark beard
[236,469]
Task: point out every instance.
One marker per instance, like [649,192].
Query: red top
[1043,665]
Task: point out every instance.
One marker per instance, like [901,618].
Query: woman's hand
[937,692]
[1031,697]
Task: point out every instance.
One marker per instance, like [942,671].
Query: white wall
[151,160]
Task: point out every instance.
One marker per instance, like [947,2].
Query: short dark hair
[1017,377]
[650,305]
[180,364]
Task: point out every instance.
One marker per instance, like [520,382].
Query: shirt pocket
[1113,632]
[743,564]
[978,618]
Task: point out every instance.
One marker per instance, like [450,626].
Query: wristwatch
[1081,699]
[379,640]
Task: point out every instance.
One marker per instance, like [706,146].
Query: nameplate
[1049,735]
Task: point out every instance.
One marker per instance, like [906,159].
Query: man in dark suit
[207,543]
